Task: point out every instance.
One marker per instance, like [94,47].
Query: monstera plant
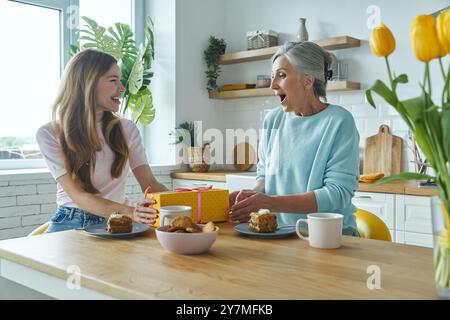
[135,63]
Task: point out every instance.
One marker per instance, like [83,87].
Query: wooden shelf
[338,43]
[332,86]
[246,93]
[344,85]
[249,55]
[335,43]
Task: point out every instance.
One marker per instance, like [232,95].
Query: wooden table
[235,268]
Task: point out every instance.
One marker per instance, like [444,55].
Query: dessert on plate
[119,223]
[263,221]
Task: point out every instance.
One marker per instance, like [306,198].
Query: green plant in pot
[428,121]
[198,157]
[135,64]
[216,47]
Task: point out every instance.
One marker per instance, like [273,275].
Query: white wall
[163,83]
[182,29]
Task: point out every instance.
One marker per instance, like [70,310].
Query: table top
[236,267]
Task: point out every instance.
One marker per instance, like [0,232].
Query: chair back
[39,230]
[371,227]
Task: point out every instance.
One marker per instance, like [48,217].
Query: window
[32,68]
[37,34]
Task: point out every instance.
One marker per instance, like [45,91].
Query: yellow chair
[371,227]
[39,230]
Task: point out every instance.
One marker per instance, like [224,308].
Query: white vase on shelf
[302,34]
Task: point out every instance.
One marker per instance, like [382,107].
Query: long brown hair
[75,123]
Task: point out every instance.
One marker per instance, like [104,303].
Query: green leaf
[382,90]
[149,54]
[123,36]
[403,78]
[415,108]
[135,64]
[141,106]
[97,39]
[212,54]
[370,98]
[433,119]
[445,121]
[404,176]
[422,138]
[73,50]
[137,73]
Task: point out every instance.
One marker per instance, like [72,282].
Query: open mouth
[116,100]
[282,97]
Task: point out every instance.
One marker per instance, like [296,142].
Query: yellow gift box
[207,204]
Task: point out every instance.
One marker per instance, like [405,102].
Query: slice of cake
[263,221]
[119,223]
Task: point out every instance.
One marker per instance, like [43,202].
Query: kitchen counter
[397,187]
[235,268]
[218,176]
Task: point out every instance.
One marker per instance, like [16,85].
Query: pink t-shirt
[109,188]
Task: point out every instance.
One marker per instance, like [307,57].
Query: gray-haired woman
[309,151]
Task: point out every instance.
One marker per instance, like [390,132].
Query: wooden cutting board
[383,153]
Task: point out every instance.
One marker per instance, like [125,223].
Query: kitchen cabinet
[407,217]
[183,183]
[413,220]
[334,43]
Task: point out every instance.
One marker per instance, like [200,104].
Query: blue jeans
[67,218]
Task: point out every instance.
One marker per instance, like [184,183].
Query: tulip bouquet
[427,120]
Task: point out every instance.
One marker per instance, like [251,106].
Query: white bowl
[186,243]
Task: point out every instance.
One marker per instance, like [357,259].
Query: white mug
[325,230]
[167,213]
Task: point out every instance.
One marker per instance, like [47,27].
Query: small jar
[263,81]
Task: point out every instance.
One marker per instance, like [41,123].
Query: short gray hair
[308,58]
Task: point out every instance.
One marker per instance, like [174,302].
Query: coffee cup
[167,213]
[324,230]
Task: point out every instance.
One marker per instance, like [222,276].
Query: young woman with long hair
[89,150]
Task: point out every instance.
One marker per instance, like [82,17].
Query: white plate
[280,232]
[99,230]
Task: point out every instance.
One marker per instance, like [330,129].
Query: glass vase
[441,244]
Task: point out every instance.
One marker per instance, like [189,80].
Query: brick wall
[27,198]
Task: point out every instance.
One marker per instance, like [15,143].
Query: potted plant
[198,157]
[212,54]
[135,64]
[428,120]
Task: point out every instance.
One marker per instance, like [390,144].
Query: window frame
[67,37]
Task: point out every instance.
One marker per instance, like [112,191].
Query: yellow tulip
[382,42]
[443,30]
[424,38]
[442,51]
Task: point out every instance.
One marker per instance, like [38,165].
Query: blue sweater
[318,153]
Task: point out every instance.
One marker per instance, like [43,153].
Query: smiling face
[289,85]
[109,90]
